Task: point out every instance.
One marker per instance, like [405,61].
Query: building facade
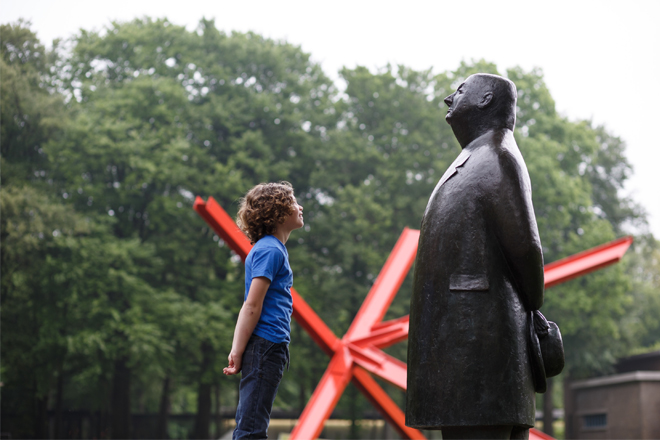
[623,405]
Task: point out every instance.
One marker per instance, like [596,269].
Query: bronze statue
[478,276]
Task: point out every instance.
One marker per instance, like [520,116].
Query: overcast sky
[601,59]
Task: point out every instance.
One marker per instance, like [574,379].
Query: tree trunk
[121,400]
[218,414]
[548,409]
[163,410]
[58,407]
[203,416]
[41,417]
[569,408]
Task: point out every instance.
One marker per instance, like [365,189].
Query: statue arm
[517,232]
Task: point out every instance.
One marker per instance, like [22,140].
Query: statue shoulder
[513,165]
[495,146]
[499,164]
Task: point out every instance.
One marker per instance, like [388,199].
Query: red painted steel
[384,404]
[359,353]
[325,397]
[586,261]
[386,286]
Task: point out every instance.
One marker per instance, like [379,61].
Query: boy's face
[295,220]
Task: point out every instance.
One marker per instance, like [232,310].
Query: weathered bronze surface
[478,275]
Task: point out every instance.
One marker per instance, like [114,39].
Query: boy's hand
[234,364]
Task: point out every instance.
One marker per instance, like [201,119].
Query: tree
[34,325]
[117,297]
[30,114]
[641,323]
[39,236]
[160,114]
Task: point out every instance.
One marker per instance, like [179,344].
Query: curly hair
[263,208]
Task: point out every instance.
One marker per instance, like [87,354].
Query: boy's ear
[485,100]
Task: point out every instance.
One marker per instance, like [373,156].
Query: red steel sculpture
[359,352]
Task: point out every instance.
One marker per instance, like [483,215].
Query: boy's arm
[247,321]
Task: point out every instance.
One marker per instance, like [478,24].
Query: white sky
[601,58]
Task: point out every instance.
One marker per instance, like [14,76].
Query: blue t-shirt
[269,258]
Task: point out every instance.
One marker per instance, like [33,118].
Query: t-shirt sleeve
[266,263]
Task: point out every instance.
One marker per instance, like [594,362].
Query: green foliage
[575,177]
[30,115]
[66,290]
[105,264]
[641,323]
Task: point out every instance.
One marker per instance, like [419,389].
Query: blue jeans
[262,370]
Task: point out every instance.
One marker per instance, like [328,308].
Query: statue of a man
[478,274]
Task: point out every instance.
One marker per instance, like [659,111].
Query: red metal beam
[387,333]
[223,225]
[325,396]
[535,434]
[381,364]
[387,284]
[585,262]
[371,313]
[384,404]
[359,351]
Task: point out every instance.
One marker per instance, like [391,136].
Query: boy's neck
[281,234]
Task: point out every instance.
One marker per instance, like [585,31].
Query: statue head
[483,102]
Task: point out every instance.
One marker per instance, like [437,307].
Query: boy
[267,215]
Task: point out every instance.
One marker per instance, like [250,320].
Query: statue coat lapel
[458,162]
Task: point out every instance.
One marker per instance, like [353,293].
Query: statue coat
[478,274]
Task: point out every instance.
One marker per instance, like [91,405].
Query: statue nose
[449,99]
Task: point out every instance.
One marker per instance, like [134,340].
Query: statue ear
[485,100]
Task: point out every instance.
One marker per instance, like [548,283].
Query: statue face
[464,100]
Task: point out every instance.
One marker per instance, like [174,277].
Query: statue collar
[458,162]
